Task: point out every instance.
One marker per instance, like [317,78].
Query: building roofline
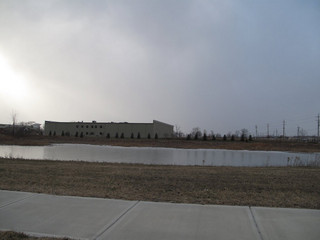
[94,122]
[156,121]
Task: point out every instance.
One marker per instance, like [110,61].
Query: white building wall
[163,130]
[96,129]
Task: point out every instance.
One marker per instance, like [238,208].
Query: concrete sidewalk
[94,218]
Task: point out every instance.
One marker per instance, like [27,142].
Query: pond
[160,156]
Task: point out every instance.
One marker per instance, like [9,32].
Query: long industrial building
[155,129]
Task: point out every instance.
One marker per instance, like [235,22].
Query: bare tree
[14,121]
[196,133]
[237,133]
[244,134]
[178,133]
[211,133]
[303,132]
[205,132]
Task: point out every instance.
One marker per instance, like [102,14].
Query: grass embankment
[21,236]
[294,187]
[261,144]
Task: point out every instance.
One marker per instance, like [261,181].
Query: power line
[288,126]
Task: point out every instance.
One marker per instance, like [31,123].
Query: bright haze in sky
[220,65]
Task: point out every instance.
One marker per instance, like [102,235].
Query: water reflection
[160,156]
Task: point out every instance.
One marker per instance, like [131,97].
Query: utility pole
[268,131]
[284,129]
[298,132]
[318,125]
[257,131]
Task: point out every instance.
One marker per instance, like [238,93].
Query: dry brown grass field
[293,187]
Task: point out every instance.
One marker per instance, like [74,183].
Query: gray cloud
[219,65]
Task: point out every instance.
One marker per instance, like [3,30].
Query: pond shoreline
[256,145]
[160,155]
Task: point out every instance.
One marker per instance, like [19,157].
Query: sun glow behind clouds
[13,86]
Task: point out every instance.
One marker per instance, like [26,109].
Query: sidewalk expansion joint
[116,220]
[20,200]
[255,223]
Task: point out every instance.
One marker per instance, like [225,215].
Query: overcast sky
[220,65]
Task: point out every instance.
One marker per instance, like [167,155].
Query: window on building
[77,126]
[87,126]
[100,133]
[100,126]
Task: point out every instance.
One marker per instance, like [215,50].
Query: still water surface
[160,156]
